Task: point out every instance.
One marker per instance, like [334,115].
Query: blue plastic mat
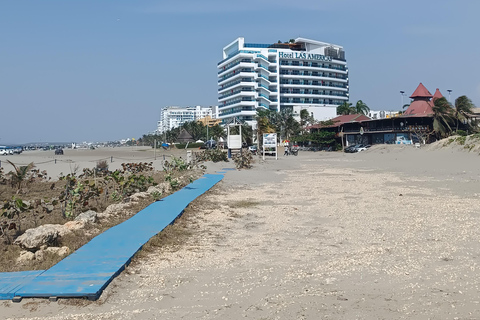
[11,281]
[87,271]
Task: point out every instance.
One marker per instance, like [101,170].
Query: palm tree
[442,117]
[306,118]
[20,174]
[247,134]
[265,122]
[361,108]
[463,108]
[286,124]
[216,132]
[345,108]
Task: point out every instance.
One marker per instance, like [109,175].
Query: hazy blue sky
[101,70]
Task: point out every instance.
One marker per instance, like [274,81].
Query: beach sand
[389,233]
[77,159]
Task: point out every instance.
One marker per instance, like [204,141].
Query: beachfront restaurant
[359,129]
[395,130]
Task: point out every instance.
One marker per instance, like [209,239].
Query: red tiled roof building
[422,103]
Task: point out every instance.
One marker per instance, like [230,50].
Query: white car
[363,148]
[3,152]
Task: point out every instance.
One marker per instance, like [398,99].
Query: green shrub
[216,155]
[462,133]
[243,160]
[190,145]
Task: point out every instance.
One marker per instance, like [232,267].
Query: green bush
[216,155]
[190,145]
[462,133]
[243,160]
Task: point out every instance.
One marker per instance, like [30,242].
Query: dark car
[58,151]
[210,144]
[351,149]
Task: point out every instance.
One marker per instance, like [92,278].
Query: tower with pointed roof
[422,102]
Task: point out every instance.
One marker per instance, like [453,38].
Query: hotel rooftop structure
[278,76]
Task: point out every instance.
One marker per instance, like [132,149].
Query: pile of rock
[38,242]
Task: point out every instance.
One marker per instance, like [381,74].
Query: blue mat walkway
[87,271]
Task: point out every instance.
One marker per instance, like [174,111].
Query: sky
[102,70]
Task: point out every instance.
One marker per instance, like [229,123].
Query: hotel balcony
[232,77]
[235,84]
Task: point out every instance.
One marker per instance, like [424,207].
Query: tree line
[447,119]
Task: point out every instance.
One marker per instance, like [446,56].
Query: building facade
[173,117]
[280,76]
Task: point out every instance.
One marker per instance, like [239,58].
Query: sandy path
[389,234]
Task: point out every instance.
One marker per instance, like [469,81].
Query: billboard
[270,144]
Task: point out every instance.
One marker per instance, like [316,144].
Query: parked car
[3,152]
[363,147]
[356,148]
[58,151]
[351,149]
[210,144]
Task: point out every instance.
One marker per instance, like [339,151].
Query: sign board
[234,141]
[270,144]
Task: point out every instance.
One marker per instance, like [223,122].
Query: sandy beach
[389,233]
[77,159]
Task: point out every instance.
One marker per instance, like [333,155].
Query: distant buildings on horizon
[175,116]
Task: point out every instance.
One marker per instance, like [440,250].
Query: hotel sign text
[303,55]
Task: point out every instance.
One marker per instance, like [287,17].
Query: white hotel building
[305,74]
[173,117]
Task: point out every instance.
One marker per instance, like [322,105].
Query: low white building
[174,116]
[382,114]
[319,113]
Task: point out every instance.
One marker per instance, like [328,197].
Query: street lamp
[449,93]
[402,94]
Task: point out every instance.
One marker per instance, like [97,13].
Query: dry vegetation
[33,200]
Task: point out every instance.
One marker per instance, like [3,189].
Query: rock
[89,216]
[63,251]
[73,225]
[153,189]
[40,255]
[103,215]
[26,256]
[163,187]
[115,209]
[139,196]
[34,238]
